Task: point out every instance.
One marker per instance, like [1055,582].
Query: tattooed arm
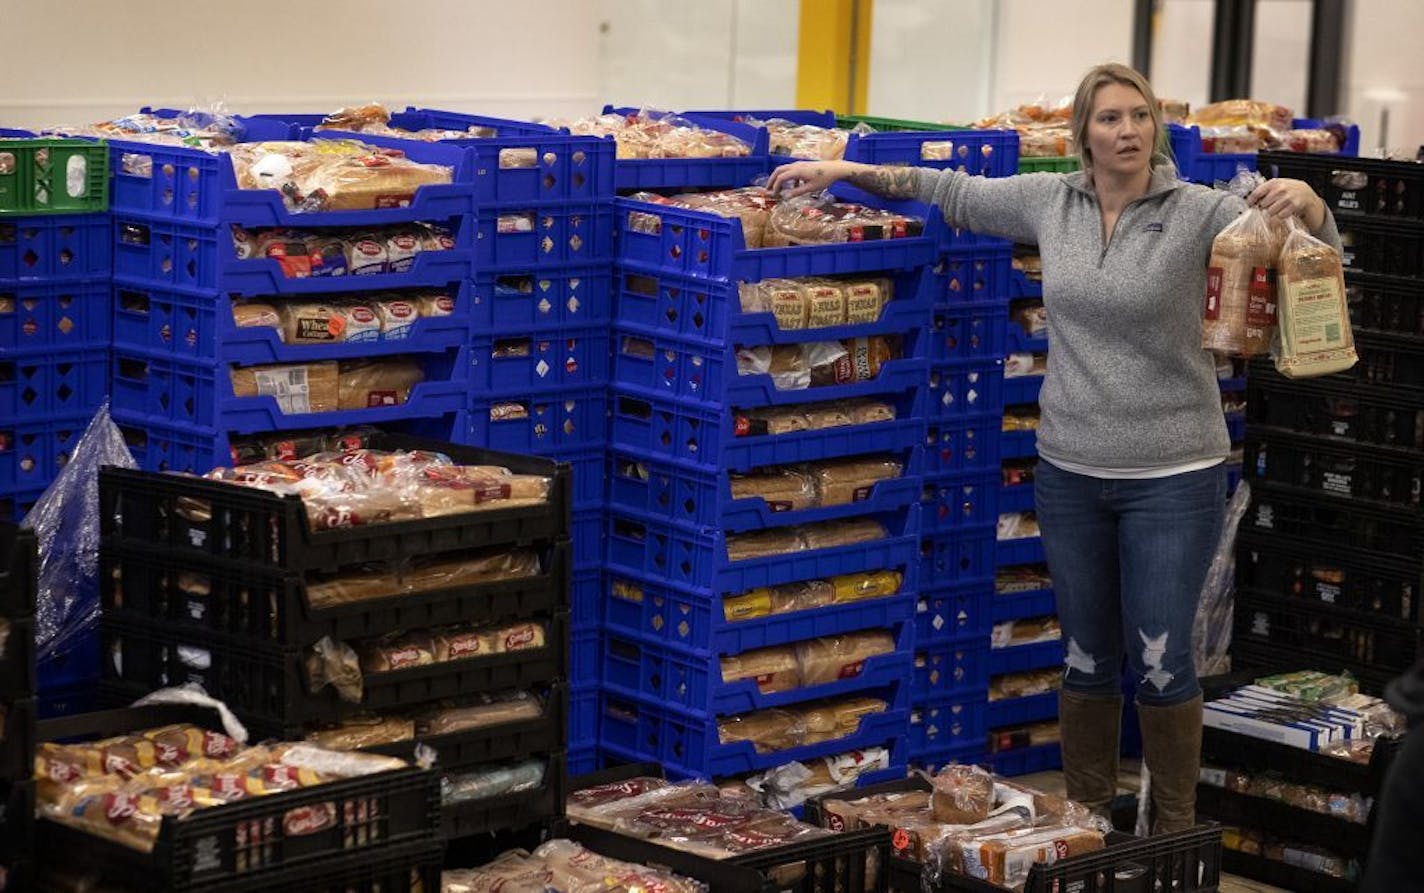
[813,176]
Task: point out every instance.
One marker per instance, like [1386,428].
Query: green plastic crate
[891,125]
[1065,165]
[53,176]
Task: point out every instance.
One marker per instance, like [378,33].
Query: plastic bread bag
[584,803]
[803,595]
[863,412]
[961,794]
[834,658]
[773,669]
[492,710]
[255,314]
[336,664]
[847,481]
[577,870]
[790,785]
[859,587]
[767,730]
[1315,334]
[762,543]
[783,489]
[363,730]
[824,415]
[334,175]
[849,532]
[808,141]
[65,520]
[770,420]
[830,720]
[333,763]
[820,219]
[492,781]
[1216,608]
[1240,307]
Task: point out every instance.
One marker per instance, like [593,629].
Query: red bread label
[1214,277]
[305,820]
[382,398]
[1261,299]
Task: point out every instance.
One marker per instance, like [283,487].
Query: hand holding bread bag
[1240,312]
[1315,334]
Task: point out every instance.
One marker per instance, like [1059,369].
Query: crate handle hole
[579,179]
[30,258]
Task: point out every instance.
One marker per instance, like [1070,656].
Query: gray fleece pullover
[1129,385]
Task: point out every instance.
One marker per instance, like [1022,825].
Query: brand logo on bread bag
[900,840]
[120,807]
[1214,277]
[305,820]
[314,329]
[465,646]
[835,822]
[851,670]
[363,315]
[402,657]
[520,638]
[1060,849]
[168,754]
[382,398]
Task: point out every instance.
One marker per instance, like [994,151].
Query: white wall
[931,61]
[1045,47]
[1384,70]
[72,61]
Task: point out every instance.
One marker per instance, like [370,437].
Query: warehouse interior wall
[947,60]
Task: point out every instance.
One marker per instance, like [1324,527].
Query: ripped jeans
[1128,559]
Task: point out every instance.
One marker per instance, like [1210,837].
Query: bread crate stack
[424,604]
[763,545]
[1329,553]
[19,566]
[54,299]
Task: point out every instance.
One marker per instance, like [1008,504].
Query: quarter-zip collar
[1164,180]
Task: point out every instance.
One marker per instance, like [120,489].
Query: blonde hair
[1116,73]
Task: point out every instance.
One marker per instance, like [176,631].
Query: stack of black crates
[206,582]
[18,569]
[1329,556]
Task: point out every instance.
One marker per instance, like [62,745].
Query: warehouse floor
[1129,781]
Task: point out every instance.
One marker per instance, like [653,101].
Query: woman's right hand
[803,177]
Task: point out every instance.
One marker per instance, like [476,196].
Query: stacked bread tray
[204,581]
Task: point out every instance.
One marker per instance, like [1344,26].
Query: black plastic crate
[1352,185]
[1382,247]
[1332,523]
[1274,564]
[1388,361]
[1352,412]
[1186,861]
[1245,811]
[507,741]
[1326,631]
[1300,463]
[17,741]
[209,517]
[19,567]
[17,819]
[266,685]
[247,842]
[17,875]
[510,812]
[1284,875]
[1384,306]
[209,593]
[1261,658]
[17,661]
[1223,747]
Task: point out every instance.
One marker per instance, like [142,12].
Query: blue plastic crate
[586,595]
[651,547]
[34,448]
[687,370]
[695,308]
[1020,342]
[1027,760]
[584,714]
[972,333]
[1022,605]
[670,173]
[66,246]
[194,186]
[1236,426]
[933,760]
[546,297]
[692,680]
[197,326]
[1231,385]
[1021,711]
[539,423]
[694,495]
[54,315]
[590,471]
[1020,286]
[585,655]
[549,234]
[1022,658]
[700,243]
[1018,498]
[958,393]
[696,618]
[182,392]
[49,383]
[954,670]
[1022,389]
[955,613]
[14,506]
[715,437]
[688,745]
[161,445]
[583,760]
[586,528]
[523,362]
[965,554]
[974,274]
[1233,477]
[1207,168]
[947,725]
[1028,550]
[990,153]
[1018,444]
[971,444]
[953,502]
[181,255]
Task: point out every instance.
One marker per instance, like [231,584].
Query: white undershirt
[1136,474]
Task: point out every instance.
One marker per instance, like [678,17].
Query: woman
[1130,491]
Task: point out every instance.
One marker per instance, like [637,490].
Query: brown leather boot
[1090,728]
[1171,747]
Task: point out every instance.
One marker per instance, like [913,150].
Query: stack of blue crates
[679,430]
[176,275]
[54,306]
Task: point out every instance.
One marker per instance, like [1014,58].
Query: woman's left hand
[1285,198]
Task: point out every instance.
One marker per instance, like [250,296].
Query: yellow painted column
[833,58]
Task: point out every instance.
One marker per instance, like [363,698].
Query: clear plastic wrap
[1240,306]
[774,669]
[333,763]
[574,869]
[848,532]
[834,658]
[651,133]
[1315,333]
[492,781]
[820,219]
[336,664]
[808,141]
[362,731]
[65,520]
[790,785]
[334,175]
[846,481]
[1024,685]
[783,489]
[421,575]
[1211,630]
[961,795]
[491,710]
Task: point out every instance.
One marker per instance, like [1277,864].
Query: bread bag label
[307,820]
[289,386]
[1316,320]
[378,398]
[756,603]
[1261,304]
[1214,279]
[321,327]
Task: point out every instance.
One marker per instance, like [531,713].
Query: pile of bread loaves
[364,318]
[772,222]
[302,254]
[562,866]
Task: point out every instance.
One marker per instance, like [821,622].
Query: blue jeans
[1128,559]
